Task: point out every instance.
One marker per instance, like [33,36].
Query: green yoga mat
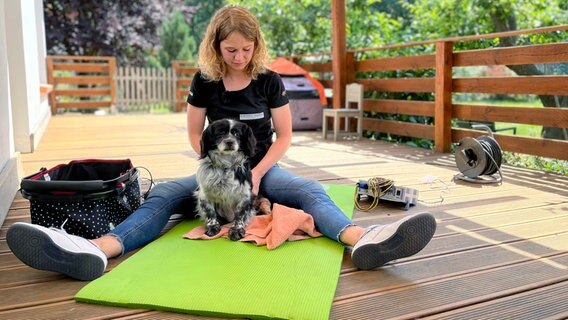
[222,278]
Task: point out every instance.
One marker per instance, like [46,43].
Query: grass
[524,130]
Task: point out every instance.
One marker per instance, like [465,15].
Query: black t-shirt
[250,105]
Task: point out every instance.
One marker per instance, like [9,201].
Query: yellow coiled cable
[378,187]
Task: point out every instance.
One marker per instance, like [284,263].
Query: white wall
[8,157]
[41,47]
[6,137]
[24,114]
[30,112]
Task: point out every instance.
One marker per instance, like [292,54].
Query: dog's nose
[229,144]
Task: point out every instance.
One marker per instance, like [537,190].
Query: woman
[233,82]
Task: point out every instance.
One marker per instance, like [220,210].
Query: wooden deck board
[542,303]
[499,250]
[452,292]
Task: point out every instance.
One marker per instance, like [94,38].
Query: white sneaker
[380,244]
[55,250]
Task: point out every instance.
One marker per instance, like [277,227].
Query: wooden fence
[184,72]
[85,82]
[143,89]
[368,66]
[81,82]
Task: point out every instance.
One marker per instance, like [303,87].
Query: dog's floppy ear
[248,141]
[207,141]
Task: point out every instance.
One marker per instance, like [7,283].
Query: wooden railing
[84,82]
[443,85]
[81,82]
[184,72]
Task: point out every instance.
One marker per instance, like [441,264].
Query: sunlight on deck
[510,247]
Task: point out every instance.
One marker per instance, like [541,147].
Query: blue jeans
[278,185]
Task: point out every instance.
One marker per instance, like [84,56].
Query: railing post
[339,51]
[112,76]
[350,67]
[443,97]
[51,80]
[173,87]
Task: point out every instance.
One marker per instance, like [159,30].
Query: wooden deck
[500,251]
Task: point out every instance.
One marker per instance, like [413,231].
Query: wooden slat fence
[367,66]
[184,72]
[81,82]
[145,89]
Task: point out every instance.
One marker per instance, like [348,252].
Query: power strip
[405,195]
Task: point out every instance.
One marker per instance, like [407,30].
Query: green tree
[369,26]
[293,27]
[175,42]
[446,18]
[200,15]
[305,26]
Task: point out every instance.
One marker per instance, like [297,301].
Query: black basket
[87,198]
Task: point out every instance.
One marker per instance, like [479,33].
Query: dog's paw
[262,205]
[236,234]
[212,230]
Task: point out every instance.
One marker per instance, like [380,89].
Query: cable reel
[478,159]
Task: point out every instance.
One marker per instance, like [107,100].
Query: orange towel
[270,230]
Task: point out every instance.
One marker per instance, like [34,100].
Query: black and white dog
[224,177]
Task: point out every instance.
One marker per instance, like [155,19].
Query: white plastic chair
[353,94]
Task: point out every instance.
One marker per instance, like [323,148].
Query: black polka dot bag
[87,198]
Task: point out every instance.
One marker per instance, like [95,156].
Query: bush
[534,162]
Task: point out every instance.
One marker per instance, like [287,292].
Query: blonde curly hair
[226,20]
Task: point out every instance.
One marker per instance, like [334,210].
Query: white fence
[145,89]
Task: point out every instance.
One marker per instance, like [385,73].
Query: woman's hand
[256,178]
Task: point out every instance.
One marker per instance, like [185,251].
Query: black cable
[479,157]
[492,150]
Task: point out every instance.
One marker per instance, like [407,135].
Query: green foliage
[367,26]
[129,29]
[200,16]
[450,18]
[175,43]
[305,26]
[539,163]
[293,27]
